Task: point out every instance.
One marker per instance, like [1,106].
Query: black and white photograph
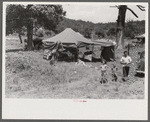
[63,53]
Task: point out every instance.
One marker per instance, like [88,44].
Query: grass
[28,75]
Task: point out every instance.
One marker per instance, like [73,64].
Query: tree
[130,29]
[31,16]
[121,23]
[111,31]
[12,13]
[100,33]
[87,32]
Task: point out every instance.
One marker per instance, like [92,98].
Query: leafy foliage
[26,20]
[32,16]
[101,30]
[111,31]
[134,28]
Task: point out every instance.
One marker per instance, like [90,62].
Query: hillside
[101,29]
[91,30]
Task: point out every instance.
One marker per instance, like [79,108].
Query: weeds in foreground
[27,71]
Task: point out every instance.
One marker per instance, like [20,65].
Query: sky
[98,13]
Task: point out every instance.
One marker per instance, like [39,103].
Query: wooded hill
[101,30]
[89,29]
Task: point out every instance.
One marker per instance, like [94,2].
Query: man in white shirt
[126,61]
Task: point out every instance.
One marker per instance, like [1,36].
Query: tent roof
[141,36]
[68,36]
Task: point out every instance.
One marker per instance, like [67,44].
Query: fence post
[128,49]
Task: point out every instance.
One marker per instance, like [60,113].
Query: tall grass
[28,71]
[37,73]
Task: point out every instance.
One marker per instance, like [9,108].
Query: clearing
[28,75]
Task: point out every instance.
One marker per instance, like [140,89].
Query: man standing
[125,61]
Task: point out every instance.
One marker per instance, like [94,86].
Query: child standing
[103,68]
[114,70]
[125,61]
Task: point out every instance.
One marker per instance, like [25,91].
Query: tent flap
[103,42]
[108,53]
[49,45]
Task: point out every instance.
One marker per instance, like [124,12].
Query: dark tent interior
[108,53]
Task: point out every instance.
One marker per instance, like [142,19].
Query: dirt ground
[28,75]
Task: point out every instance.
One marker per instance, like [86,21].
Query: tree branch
[114,6]
[141,7]
[132,12]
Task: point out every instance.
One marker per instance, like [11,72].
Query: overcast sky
[99,13]
[96,12]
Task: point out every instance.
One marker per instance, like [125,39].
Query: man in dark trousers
[125,61]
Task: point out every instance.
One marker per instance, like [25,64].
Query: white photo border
[68,109]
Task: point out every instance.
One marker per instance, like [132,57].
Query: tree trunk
[121,26]
[30,45]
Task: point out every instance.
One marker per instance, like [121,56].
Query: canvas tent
[140,39]
[71,39]
[68,37]
[107,51]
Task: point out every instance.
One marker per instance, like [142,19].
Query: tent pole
[92,51]
[77,53]
[114,53]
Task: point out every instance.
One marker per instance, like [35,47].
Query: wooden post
[129,46]
[128,49]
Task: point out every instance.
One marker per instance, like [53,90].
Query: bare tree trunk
[30,45]
[121,39]
[118,37]
[121,26]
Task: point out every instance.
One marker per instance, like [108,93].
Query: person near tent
[138,60]
[125,61]
[141,65]
[114,70]
[103,69]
